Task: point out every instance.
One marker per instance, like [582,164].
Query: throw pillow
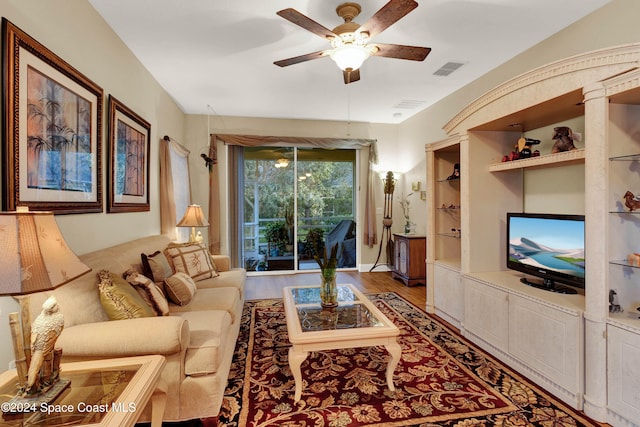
[149,291]
[156,266]
[119,299]
[191,258]
[181,288]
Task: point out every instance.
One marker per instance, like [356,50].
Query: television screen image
[550,246]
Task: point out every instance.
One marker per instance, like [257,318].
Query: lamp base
[20,404]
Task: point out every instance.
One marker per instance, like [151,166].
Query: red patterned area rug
[441,380]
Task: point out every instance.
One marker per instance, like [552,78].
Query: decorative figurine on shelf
[524,146]
[631,202]
[614,305]
[634,259]
[45,330]
[454,175]
[563,137]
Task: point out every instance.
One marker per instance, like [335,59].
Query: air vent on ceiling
[408,104]
[448,68]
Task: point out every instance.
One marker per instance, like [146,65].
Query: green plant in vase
[328,289]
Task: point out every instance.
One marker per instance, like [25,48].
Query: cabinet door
[624,372]
[448,295]
[547,339]
[486,313]
[402,256]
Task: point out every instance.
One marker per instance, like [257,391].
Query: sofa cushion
[149,291]
[191,258]
[226,299]
[180,287]
[156,266]
[206,345]
[119,299]
[234,278]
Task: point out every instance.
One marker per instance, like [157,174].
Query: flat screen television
[549,247]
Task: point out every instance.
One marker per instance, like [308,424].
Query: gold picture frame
[128,164]
[53,130]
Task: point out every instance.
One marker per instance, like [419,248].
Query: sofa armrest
[223,262]
[131,337]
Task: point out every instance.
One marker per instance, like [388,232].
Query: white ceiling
[216,56]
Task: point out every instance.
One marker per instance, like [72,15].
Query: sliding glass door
[296,201]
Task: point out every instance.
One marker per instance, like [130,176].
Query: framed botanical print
[128,167]
[53,130]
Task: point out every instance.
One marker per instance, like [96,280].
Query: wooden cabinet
[542,337]
[623,374]
[409,259]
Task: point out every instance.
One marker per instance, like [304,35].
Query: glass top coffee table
[355,322]
[103,393]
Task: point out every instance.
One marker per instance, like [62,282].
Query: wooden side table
[110,392]
[409,264]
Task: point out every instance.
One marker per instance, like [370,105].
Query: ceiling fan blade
[307,23]
[389,14]
[301,58]
[412,53]
[351,76]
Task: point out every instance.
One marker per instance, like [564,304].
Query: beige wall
[73,30]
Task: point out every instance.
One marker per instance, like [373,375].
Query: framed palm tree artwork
[128,164]
[53,125]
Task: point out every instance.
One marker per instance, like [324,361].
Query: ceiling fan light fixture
[349,57]
[282,163]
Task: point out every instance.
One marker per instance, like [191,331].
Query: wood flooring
[270,286]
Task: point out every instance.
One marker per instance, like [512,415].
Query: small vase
[328,289]
[407,227]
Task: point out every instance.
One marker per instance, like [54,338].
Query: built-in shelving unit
[444,293]
[622,145]
[570,344]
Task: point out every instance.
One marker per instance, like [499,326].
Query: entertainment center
[568,343]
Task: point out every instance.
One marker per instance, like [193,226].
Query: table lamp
[35,257]
[193,217]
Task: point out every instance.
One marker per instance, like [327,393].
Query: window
[296,201]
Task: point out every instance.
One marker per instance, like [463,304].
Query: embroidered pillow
[149,291]
[156,266]
[180,288]
[119,299]
[191,258]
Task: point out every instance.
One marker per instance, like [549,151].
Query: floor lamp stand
[387,221]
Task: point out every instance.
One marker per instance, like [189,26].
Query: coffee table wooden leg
[158,403]
[295,361]
[395,351]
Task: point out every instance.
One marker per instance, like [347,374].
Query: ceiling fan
[350,41]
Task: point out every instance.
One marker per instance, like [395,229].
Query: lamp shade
[35,256]
[193,217]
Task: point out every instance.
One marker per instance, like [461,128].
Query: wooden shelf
[573,156]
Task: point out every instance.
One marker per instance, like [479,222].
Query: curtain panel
[214,197]
[169,184]
[368,147]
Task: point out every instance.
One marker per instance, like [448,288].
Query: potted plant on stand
[277,237]
[405,204]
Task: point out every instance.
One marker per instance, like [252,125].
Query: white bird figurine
[45,330]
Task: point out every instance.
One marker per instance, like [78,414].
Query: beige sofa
[197,340]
